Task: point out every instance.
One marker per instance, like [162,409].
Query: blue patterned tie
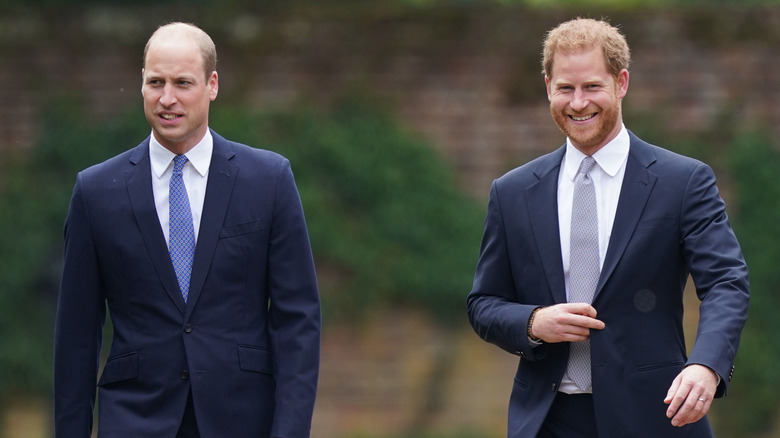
[181,239]
[584,267]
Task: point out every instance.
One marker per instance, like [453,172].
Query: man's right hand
[566,322]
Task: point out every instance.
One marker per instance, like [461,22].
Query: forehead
[174,55]
[579,64]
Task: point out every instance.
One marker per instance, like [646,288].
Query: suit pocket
[255,359]
[660,366]
[521,384]
[241,229]
[654,224]
[119,368]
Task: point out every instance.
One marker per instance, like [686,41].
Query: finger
[694,408]
[687,410]
[672,390]
[572,333]
[678,396]
[706,403]
[592,323]
[576,329]
[585,322]
[582,309]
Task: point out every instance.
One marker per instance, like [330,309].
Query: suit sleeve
[295,322]
[79,325]
[493,308]
[719,273]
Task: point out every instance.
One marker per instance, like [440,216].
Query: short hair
[584,34]
[207,48]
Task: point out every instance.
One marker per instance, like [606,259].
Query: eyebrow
[183,77]
[593,81]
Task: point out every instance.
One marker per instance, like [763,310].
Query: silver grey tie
[583,264]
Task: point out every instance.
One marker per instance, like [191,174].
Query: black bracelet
[530,323]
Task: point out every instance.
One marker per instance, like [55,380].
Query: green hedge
[388,225]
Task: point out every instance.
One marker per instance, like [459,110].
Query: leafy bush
[33,202]
[387,223]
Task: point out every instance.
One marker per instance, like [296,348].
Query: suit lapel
[139,189]
[542,199]
[637,185]
[222,176]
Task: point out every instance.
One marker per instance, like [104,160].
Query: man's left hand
[690,396]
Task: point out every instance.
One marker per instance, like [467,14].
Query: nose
[579,101]
[168,96]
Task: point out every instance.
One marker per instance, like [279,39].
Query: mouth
[582,118]
[169,117]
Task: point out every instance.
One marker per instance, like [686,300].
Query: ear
[142,81]
[547,85]
[622,83]
[213,85]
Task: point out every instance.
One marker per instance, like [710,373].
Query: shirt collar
[199,155]
[610,158]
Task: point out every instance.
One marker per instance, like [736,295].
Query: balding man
[198,248]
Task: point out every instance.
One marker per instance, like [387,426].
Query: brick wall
[467,79]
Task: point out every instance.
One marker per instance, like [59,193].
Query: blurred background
[396,116]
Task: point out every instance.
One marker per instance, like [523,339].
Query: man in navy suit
[226,347]
[659,218]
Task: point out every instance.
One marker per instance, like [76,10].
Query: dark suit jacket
[247,340]
[670,222]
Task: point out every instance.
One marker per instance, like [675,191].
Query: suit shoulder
[256,156]
[680,159]
[651,154]
[667,160]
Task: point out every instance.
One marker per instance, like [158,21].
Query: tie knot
[586,164]
[178,162]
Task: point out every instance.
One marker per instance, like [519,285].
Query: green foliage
[33,201]
[753,400]
[387,224]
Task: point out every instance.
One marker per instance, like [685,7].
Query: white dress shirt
[195,174]
[607,178]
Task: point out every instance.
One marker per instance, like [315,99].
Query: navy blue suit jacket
[246,342]
[670,222]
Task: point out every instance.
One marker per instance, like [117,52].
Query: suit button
[554,387]
[185,374]
[188,328]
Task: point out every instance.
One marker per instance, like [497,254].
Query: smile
[583,118]
[169,116]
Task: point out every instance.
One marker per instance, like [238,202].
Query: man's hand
[567,322]
[691,394]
